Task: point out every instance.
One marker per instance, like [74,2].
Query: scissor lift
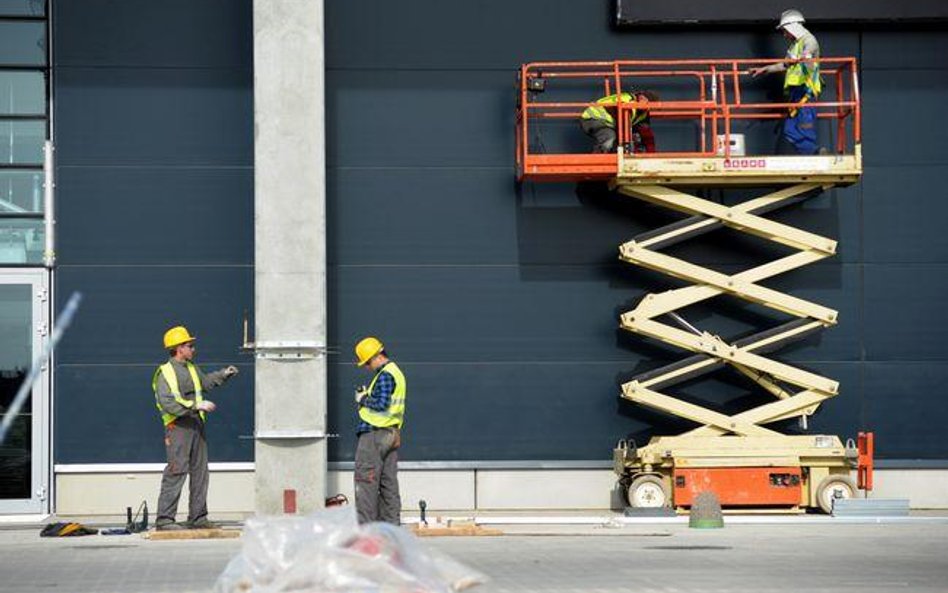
[737,456]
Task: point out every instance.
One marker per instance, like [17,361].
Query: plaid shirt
[378,400]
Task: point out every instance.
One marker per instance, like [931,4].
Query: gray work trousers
[186,448]
[601,132]
[376,477]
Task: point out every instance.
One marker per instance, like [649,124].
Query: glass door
[24,456]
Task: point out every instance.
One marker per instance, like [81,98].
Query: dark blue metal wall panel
[906,406]
[141,216]
[154,144]
[154,117]
[127,308]
[903,214]
[498,34]
[519,275]
[547,410]
[128,428]
[905,312]
[500,302]
[902,118]
[146,34]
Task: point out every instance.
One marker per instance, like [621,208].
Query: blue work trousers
[799,129]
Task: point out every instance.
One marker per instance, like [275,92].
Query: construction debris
[329,552]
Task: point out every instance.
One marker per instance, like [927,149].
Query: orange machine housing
[740,486]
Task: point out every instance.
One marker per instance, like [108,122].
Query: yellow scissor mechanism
[712,351]
[720,440]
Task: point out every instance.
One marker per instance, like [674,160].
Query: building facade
[500,302]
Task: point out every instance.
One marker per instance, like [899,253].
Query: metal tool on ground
[742,457]
[423,506]
[134,524]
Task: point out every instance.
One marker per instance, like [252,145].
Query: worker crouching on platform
[381,408]
[599,123]
[801,83]
[179,387]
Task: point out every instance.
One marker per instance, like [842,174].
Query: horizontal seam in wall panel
[418,363]
[197,266]
[137,67]
[903,363]
[608,266]
[160,167]
[512,70]
[901,69]
[907,165]
[903,263]
[149,365]
[424,168]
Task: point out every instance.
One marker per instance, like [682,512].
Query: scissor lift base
[739,468]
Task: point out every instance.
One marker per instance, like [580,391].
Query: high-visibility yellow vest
[395,413]
[803,73]
[599,111]
[167,371]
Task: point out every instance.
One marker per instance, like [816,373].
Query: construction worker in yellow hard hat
[179,387]
[381,408]
[801,83]
[598,121]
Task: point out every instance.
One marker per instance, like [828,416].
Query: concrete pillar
[290,255]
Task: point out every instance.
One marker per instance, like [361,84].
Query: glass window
[22,241]
[22,93]
[21,191]
[21,142]
[23,8]
[16,343]
[22,43]
[23,129]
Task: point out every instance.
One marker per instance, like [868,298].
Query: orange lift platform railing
[711,96]
[703,108]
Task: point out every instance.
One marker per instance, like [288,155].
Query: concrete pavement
[813,556]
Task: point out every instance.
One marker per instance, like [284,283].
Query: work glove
[361,393]
[206,406]
[230,371]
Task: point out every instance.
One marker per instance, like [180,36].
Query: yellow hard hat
[367,348]
[176,336]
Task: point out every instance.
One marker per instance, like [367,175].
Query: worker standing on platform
[598,122]
[801,82]
[381,414]
[179,387]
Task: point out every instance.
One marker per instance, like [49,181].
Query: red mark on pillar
[289,502]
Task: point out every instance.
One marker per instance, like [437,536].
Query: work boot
[203,523]
[168,526]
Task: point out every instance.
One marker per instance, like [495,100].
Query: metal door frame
[38,503]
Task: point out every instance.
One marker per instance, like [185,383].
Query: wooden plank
[467,529]
[193,534]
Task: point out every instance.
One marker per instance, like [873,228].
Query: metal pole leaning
[65,320]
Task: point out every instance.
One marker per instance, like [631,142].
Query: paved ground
[812,557]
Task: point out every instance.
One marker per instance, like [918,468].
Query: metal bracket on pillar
[292,435]
[289,350]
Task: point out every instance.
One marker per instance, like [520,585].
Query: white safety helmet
[789,17]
